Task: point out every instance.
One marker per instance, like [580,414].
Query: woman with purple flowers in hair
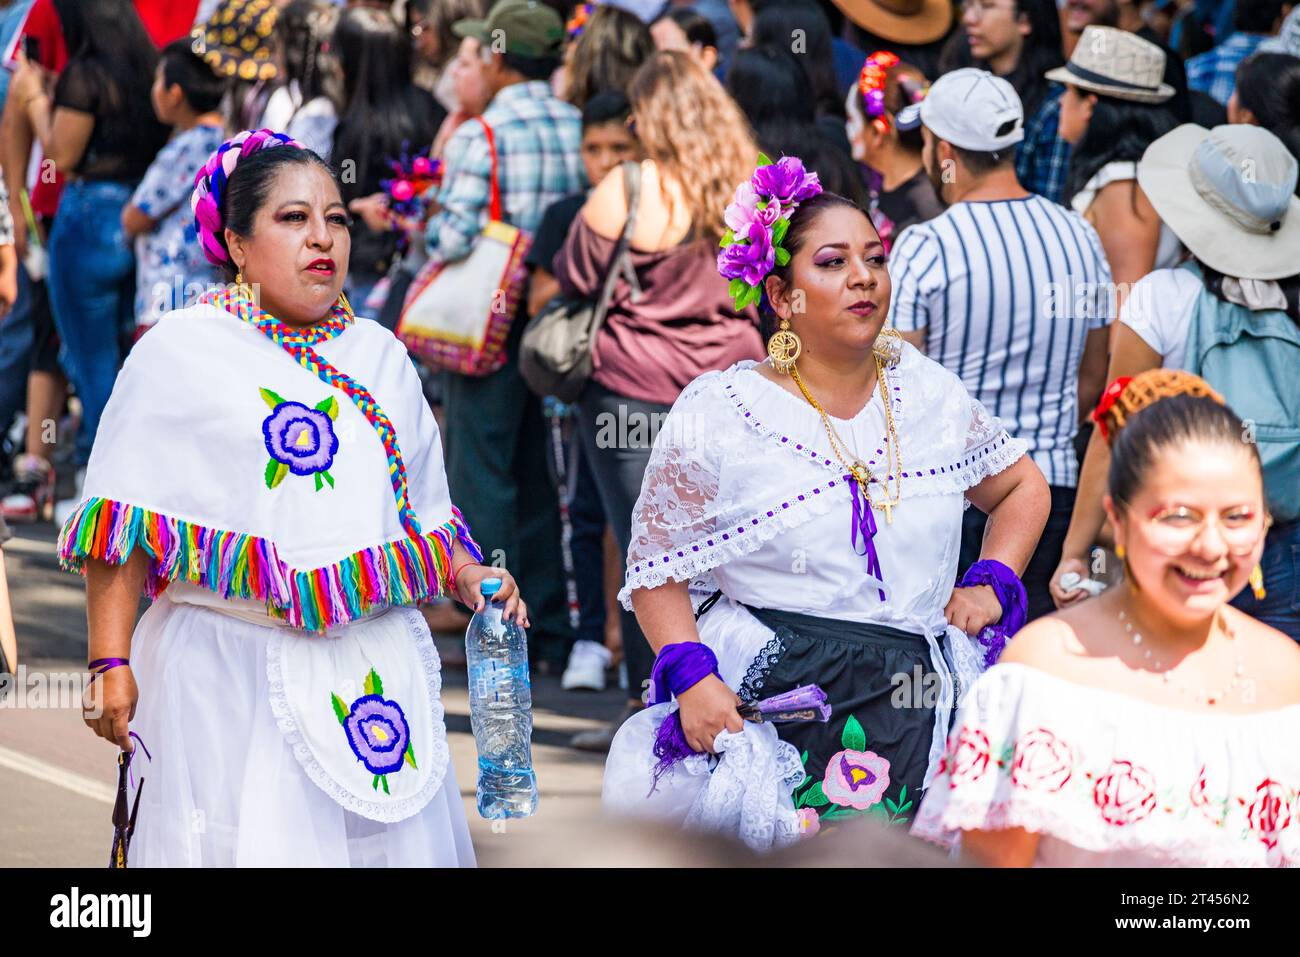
[268,472]
[795,544]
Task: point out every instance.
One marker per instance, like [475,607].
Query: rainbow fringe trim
[235,565]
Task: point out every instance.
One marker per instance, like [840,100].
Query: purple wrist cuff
[101,665]
[1011,596]
[679,667]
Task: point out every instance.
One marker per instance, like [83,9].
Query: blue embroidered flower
[299,439]
[376,730]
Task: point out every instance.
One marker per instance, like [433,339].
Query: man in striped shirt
[1008,290]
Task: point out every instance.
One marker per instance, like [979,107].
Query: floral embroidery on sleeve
[299,440]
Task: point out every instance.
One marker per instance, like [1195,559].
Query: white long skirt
[240,777]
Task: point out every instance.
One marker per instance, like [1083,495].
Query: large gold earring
[241,288]
[343,301]
[1257,583]
[889,347]
[784,348]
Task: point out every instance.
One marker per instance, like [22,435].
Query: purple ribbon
[101,665]
[1010,590]
[131,770]
[679,667]
[864,524]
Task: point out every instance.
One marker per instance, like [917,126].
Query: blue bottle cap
[489,587]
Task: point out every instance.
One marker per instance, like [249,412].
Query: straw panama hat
[901,21]
[1229,195]
[1116,63]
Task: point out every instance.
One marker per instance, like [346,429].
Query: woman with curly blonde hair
[670,318]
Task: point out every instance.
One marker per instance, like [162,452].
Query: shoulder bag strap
[632,187]
[494,185]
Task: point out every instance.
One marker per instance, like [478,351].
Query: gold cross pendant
[888,507]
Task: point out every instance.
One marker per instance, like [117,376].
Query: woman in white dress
[821,508]
[1155,725]
[269,473]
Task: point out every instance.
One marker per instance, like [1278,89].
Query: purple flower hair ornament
[210,186]
[757,220]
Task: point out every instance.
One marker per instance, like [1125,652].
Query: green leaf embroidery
[410,755]
[853,737]
[877,813]
[840,812]
[271,398]
[330,406]
[328,478]
[384,781]
[816,797]
[375,783]
[782,256]
[893,808]
[373,684]
[340,709]
[319,481]
[275,473]
[764,160]
[902,795]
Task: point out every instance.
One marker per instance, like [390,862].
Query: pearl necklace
[1210,698]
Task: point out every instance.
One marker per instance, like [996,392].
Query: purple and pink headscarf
[210,185]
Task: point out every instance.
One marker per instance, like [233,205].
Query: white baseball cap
[970,108]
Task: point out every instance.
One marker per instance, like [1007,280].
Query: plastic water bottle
[500,711]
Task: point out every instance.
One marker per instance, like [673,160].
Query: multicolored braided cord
[297,341]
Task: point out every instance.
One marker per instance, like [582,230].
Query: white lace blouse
[1106,779]
[743,494]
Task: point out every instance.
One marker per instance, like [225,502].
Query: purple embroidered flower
[744,210]
[786,181]
[856,779]
[378,733]
[300,438]
[749,261]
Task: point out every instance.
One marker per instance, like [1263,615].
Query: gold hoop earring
[784,348]
[889,347]
[1257,583]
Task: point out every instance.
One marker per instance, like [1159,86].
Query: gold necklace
[861,472]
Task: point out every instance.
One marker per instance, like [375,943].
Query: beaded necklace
[297,342]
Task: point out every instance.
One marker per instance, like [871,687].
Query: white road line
[49,773]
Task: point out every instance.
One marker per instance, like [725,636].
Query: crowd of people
[845,269]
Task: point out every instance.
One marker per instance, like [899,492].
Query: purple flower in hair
[745,209]
[750,260]
[786,181]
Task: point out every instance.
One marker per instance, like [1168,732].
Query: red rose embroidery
[1125,794]
[1213,810]
[1270,813]
[969,758]
[1042,762]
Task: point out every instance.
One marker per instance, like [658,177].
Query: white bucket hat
[1229,195]
[1116,63]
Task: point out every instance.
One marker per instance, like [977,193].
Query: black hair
[1256,16]
[249,186]
[769,86]
[532,67]
[1167,423]
[801,222]
[775,23]
[304,28]
[980,162]
[607,106]
[182,67]
[1268,84]
[109,49]
[1120,130]
[1040,52]
[697,27]
[383,113]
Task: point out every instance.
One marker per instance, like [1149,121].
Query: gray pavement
[57,778]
